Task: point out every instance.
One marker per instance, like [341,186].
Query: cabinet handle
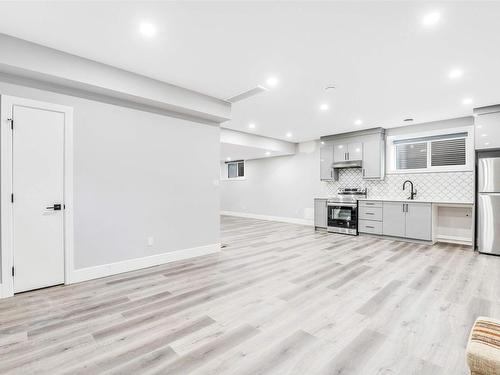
[347,156]
[363,172]
[369,213]
[369,226]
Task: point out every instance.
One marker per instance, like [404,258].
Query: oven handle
[342,204]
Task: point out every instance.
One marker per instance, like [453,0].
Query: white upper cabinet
[487,131]
[340,152]
[355,151]
[348,151]
[326,162]
[373,158]
[365,149]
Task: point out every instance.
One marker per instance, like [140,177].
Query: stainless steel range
[342,211]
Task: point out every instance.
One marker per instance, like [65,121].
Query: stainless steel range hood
[348,164]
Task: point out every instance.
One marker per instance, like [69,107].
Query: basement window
[235,169]
[431,153]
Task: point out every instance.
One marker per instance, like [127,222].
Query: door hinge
[12,271]
[12,198]
[11,123]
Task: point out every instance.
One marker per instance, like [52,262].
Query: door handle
[55,207]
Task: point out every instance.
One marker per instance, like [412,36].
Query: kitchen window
[443,152]
[235,169]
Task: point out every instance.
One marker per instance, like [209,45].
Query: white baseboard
[454,239]
[89,273]
[282,219]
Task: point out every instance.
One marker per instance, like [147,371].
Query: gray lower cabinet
[370,226]
[326,162]
[409,220]
[394,223]
[320,213]
[419,221]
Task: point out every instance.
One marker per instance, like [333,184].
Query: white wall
[138,174]
[280,187]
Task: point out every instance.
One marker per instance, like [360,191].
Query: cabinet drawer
[370,203]
[370,226]
[370,213]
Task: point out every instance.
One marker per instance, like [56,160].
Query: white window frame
[469,151]
[225,172]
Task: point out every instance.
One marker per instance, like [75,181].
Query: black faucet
[413,192]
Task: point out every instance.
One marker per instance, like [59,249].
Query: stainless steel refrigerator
[488,203]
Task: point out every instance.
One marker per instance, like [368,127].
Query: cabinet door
[372,159]
[320,218]
[326,160]
[489,124]
[355,151]
[419,221]
[340,152]
[394,223]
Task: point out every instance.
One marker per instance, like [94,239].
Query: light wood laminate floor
[279,299]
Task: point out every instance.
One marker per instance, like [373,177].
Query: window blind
[448,152]
[411,155]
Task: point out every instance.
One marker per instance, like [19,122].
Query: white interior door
[38,187]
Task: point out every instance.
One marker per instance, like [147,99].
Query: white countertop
[435,201]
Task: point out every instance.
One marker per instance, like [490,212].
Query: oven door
[343,218]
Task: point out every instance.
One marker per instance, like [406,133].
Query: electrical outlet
[151,241]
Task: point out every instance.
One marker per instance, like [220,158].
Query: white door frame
[6,207]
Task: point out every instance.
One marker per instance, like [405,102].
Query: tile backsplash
[445,186]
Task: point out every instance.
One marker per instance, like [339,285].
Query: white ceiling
[385,64]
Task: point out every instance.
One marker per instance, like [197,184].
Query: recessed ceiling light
[431,19]
[358,122]
[479,126]
[272,81]
[147,29]
[268,153]
[228,159]
[484,135]
[324,107]
[251,125]
[322,142]
[455,73]
[289,135]
[467,101]
[486,143]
